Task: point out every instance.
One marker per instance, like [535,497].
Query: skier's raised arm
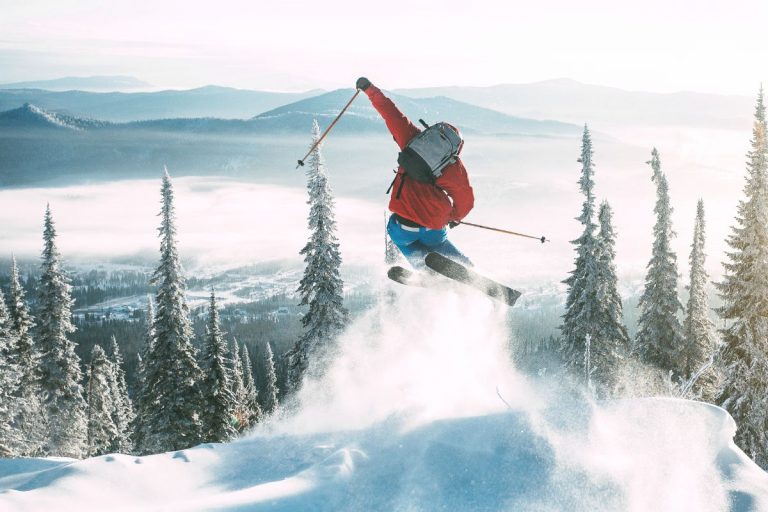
[401,128]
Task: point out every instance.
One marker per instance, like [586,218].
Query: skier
[421,211]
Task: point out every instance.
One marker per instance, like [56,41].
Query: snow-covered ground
[642,455]
[407,418]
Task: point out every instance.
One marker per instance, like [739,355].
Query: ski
[462,274]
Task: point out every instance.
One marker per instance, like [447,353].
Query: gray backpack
[431,151]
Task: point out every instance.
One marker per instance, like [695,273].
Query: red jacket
[433,206]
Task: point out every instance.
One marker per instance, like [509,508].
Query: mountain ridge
[562,99]
[602,106]
[206,101]
[83,83]
[296,116]
[30,116]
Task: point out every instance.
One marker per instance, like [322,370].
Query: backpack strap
[399,188]
[391,184]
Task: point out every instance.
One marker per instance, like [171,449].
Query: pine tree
[610,341]
[11,443]
[142,396]
[253,413]
[102,430]
[580,306]
[21,324]
[699,330]
[660,336]
[171,373]
[123,413]
[391,252]
[60,375]
[30,419]
[220,402]
[237,385]
[270,393]
[321,287]
[744,291]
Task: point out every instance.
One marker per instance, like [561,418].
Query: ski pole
[540,238]
[301,162]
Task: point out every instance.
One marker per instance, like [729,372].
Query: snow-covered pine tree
[699,330]
[270,392]
[11,441]
[610,341]
[171,373]
[744,291]
[321,287]
[220,402]
[588,368]
[581,306]
[60,375]
[123,413]
[659,339]
[30,418]
[102,430]
[391,252]
[253,413]
[142,403]
[148,341]
[238,386]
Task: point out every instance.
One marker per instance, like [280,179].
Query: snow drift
[407,418]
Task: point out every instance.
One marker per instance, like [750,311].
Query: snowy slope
[596,460]
[407,419]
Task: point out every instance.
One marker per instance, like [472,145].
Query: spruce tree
[30,418]
[220,402]
[660,336]
[270,392]
[11,443]
[142,395]
[610,341]
[237,385]
[171,373]
[148,340]
[21,324]
[699,330]
[123,413]
[60,375]
[253,413]
[321,287]
[581,307]
[391,252]
[102,430]
[744,291]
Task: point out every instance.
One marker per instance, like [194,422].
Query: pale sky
[654,45]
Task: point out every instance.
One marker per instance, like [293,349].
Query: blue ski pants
[415,243]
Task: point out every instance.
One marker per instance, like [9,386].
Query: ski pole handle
[542,239]
[301,162]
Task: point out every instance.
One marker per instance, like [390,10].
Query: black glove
[453,224]
[363,83]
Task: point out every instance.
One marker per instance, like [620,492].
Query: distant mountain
[41,145]
[30,117]
[361,115]
[572,101]
[564,100]
[209,101]
[82,83]
[297,117]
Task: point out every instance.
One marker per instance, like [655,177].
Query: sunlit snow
[407,418]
